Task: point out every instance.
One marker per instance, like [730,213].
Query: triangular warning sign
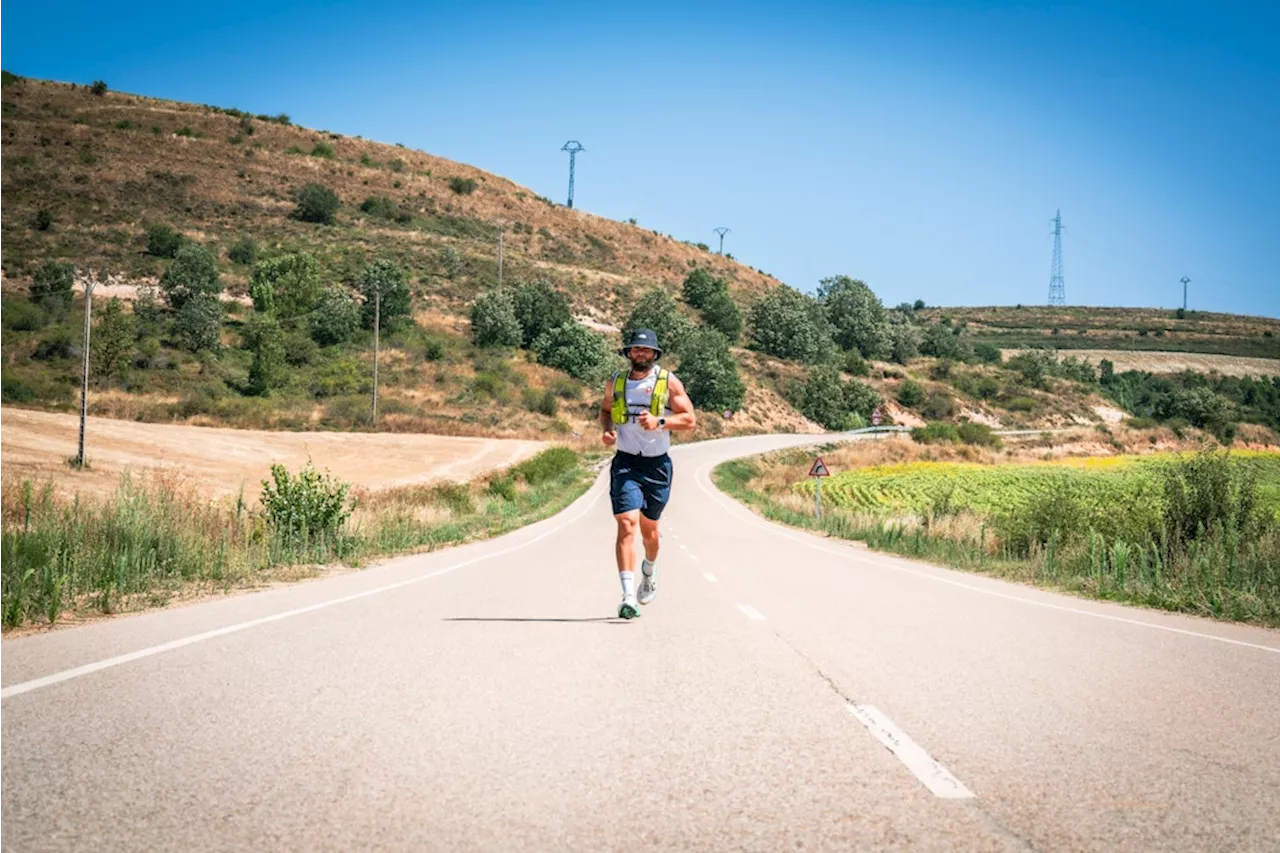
[819,469]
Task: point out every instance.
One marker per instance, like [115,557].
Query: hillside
[118,182]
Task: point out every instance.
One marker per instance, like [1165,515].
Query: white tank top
[633,438]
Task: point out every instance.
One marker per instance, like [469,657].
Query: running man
[641,408]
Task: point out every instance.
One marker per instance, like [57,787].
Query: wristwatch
[662,422]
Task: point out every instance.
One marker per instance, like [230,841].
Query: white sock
[646,565]
[628,583]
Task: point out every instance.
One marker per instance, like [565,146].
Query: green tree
[289,285]
[539,308]
[861,399]
[576,350]
[721,313]
[193,273]
[385,276]
[265,339]
[1106,371]
[316,203]
[199,323]
[911,394]
[821,398]
[163,241]
[788,324]
[243,251]
[493,320]
[709,371]
[658,311]
[51,288]
[856,315]
[942,342]
[904,341]
[112,343]
[336,318]
[700,285]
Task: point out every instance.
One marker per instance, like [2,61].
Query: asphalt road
[782,692]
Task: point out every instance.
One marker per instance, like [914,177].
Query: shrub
[547,465]
[542,402]
[243,251]
[51,288]
[163,241]
[493,320]
[788,324]
[384,276]
[576,350]
[566,389]
[308,505]
[856,315]
[1021,404]
[396,165]
[111,346]
[710,373]
[700,285]
[336,317]
[657,310]
[538,308]
[976,433]
[904,342]
[861,399]
[56,346]
[316,203]
[941,342]
[938,406]
[855,364]
[322,149]
[264,338]
[1206,495]
[289,285]
[722,314]
[43,220]
[462,186]
[198,325]
[911,394]
[24,317]
[15,391]
[1033,366]
[935,433]
[98,88]
[821,398]
[380,206]
[988,353]
[1142,423]
[193,273]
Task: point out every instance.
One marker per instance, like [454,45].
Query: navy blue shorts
[640,482]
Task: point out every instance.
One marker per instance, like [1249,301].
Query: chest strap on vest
[657,405]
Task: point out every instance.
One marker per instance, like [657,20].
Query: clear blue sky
[922,147]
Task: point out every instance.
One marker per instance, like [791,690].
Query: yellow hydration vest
[657,405]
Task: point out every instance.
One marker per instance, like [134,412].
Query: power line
[573,148]
[1057,287]
[721,231]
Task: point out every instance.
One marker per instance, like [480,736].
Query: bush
[700,285]
[493,320]
[821,399]
[322,149]
[43,220]
[51,288]
[855,364]
[308,505]
[935,433]
[904,342]
[710,373]
[542,402]
[938,406]
[657,310]
[317,203]
[988,353]
[722,314]
[198,325]
[243,251]
[979,434]
[788,324]
[98,88]
[1142,423]
[911,394]
[193,274]
[111,346]
[289,285]
[861,399]
[856,315]
[163,241]
[56,346]
[942,342]
[15,391]
[264,338]
[336,317]
[384,276]
[379,206]
[576,350]
[547,465]
[1033,366]
[1206,495]
[24,317]
[539,308]
[462,186]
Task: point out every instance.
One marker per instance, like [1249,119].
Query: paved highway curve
[783,691]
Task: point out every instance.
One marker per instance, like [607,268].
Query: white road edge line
[933,775]
[734,508]
[709,576]
[751,613]
[118,660]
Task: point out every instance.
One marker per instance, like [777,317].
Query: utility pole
[502,227]
[377,327]
[721,231]
[1185,282]
[573,148]
[89,281]
[1057,288]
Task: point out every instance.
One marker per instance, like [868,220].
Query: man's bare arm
[608,429]
[682,417]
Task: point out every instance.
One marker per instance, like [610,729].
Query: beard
[641,363]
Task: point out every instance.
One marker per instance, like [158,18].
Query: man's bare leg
[625,550]
[648,583]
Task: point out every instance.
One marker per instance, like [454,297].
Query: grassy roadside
[1220,570]
[153,542]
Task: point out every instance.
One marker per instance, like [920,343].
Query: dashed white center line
[750,612]
[934,776]
[709,576]
[693,557]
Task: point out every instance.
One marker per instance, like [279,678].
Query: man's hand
[647,420]
[609,437]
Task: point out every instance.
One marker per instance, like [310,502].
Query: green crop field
[1118,484]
